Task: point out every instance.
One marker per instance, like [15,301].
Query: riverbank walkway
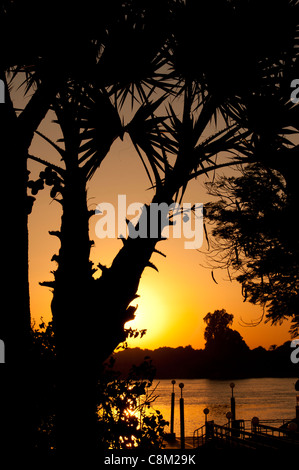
[256,435]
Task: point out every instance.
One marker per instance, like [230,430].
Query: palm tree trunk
[17,135]
[72,321]
[16,397]
[16,394]
[15,315]
[118,285]
[15,323]
[88,317]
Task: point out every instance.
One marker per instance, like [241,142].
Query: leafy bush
[126,416]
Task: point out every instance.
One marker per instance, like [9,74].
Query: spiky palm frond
[145,131]
[175,145]
[100,125]
[89,124]
[133,58]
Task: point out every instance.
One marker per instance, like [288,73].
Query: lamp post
[206,412]
[172,410]
[233,403]
[208,424]
[181,385]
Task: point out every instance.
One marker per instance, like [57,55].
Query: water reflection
[267,398]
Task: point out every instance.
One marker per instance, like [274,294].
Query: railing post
[229,417]
[254,424]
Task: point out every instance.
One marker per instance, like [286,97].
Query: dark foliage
[254,236]
[125,414]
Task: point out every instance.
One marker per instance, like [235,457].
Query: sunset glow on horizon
[173,302]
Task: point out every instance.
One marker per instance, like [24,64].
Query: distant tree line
[189,363]
[225,355]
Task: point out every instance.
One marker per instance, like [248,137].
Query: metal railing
[199,436]
[279,434]
[260,435]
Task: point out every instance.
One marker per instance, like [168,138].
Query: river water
[266,398]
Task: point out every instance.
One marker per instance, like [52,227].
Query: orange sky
[174,301]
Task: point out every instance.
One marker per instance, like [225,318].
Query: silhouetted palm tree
[212,78]
[49,62]
[90,123]
[30,52]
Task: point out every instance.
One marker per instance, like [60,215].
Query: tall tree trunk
[15,314]
[118,285]
[15,322]
[17,135]
[88,316]
[73,328]
[16,393]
